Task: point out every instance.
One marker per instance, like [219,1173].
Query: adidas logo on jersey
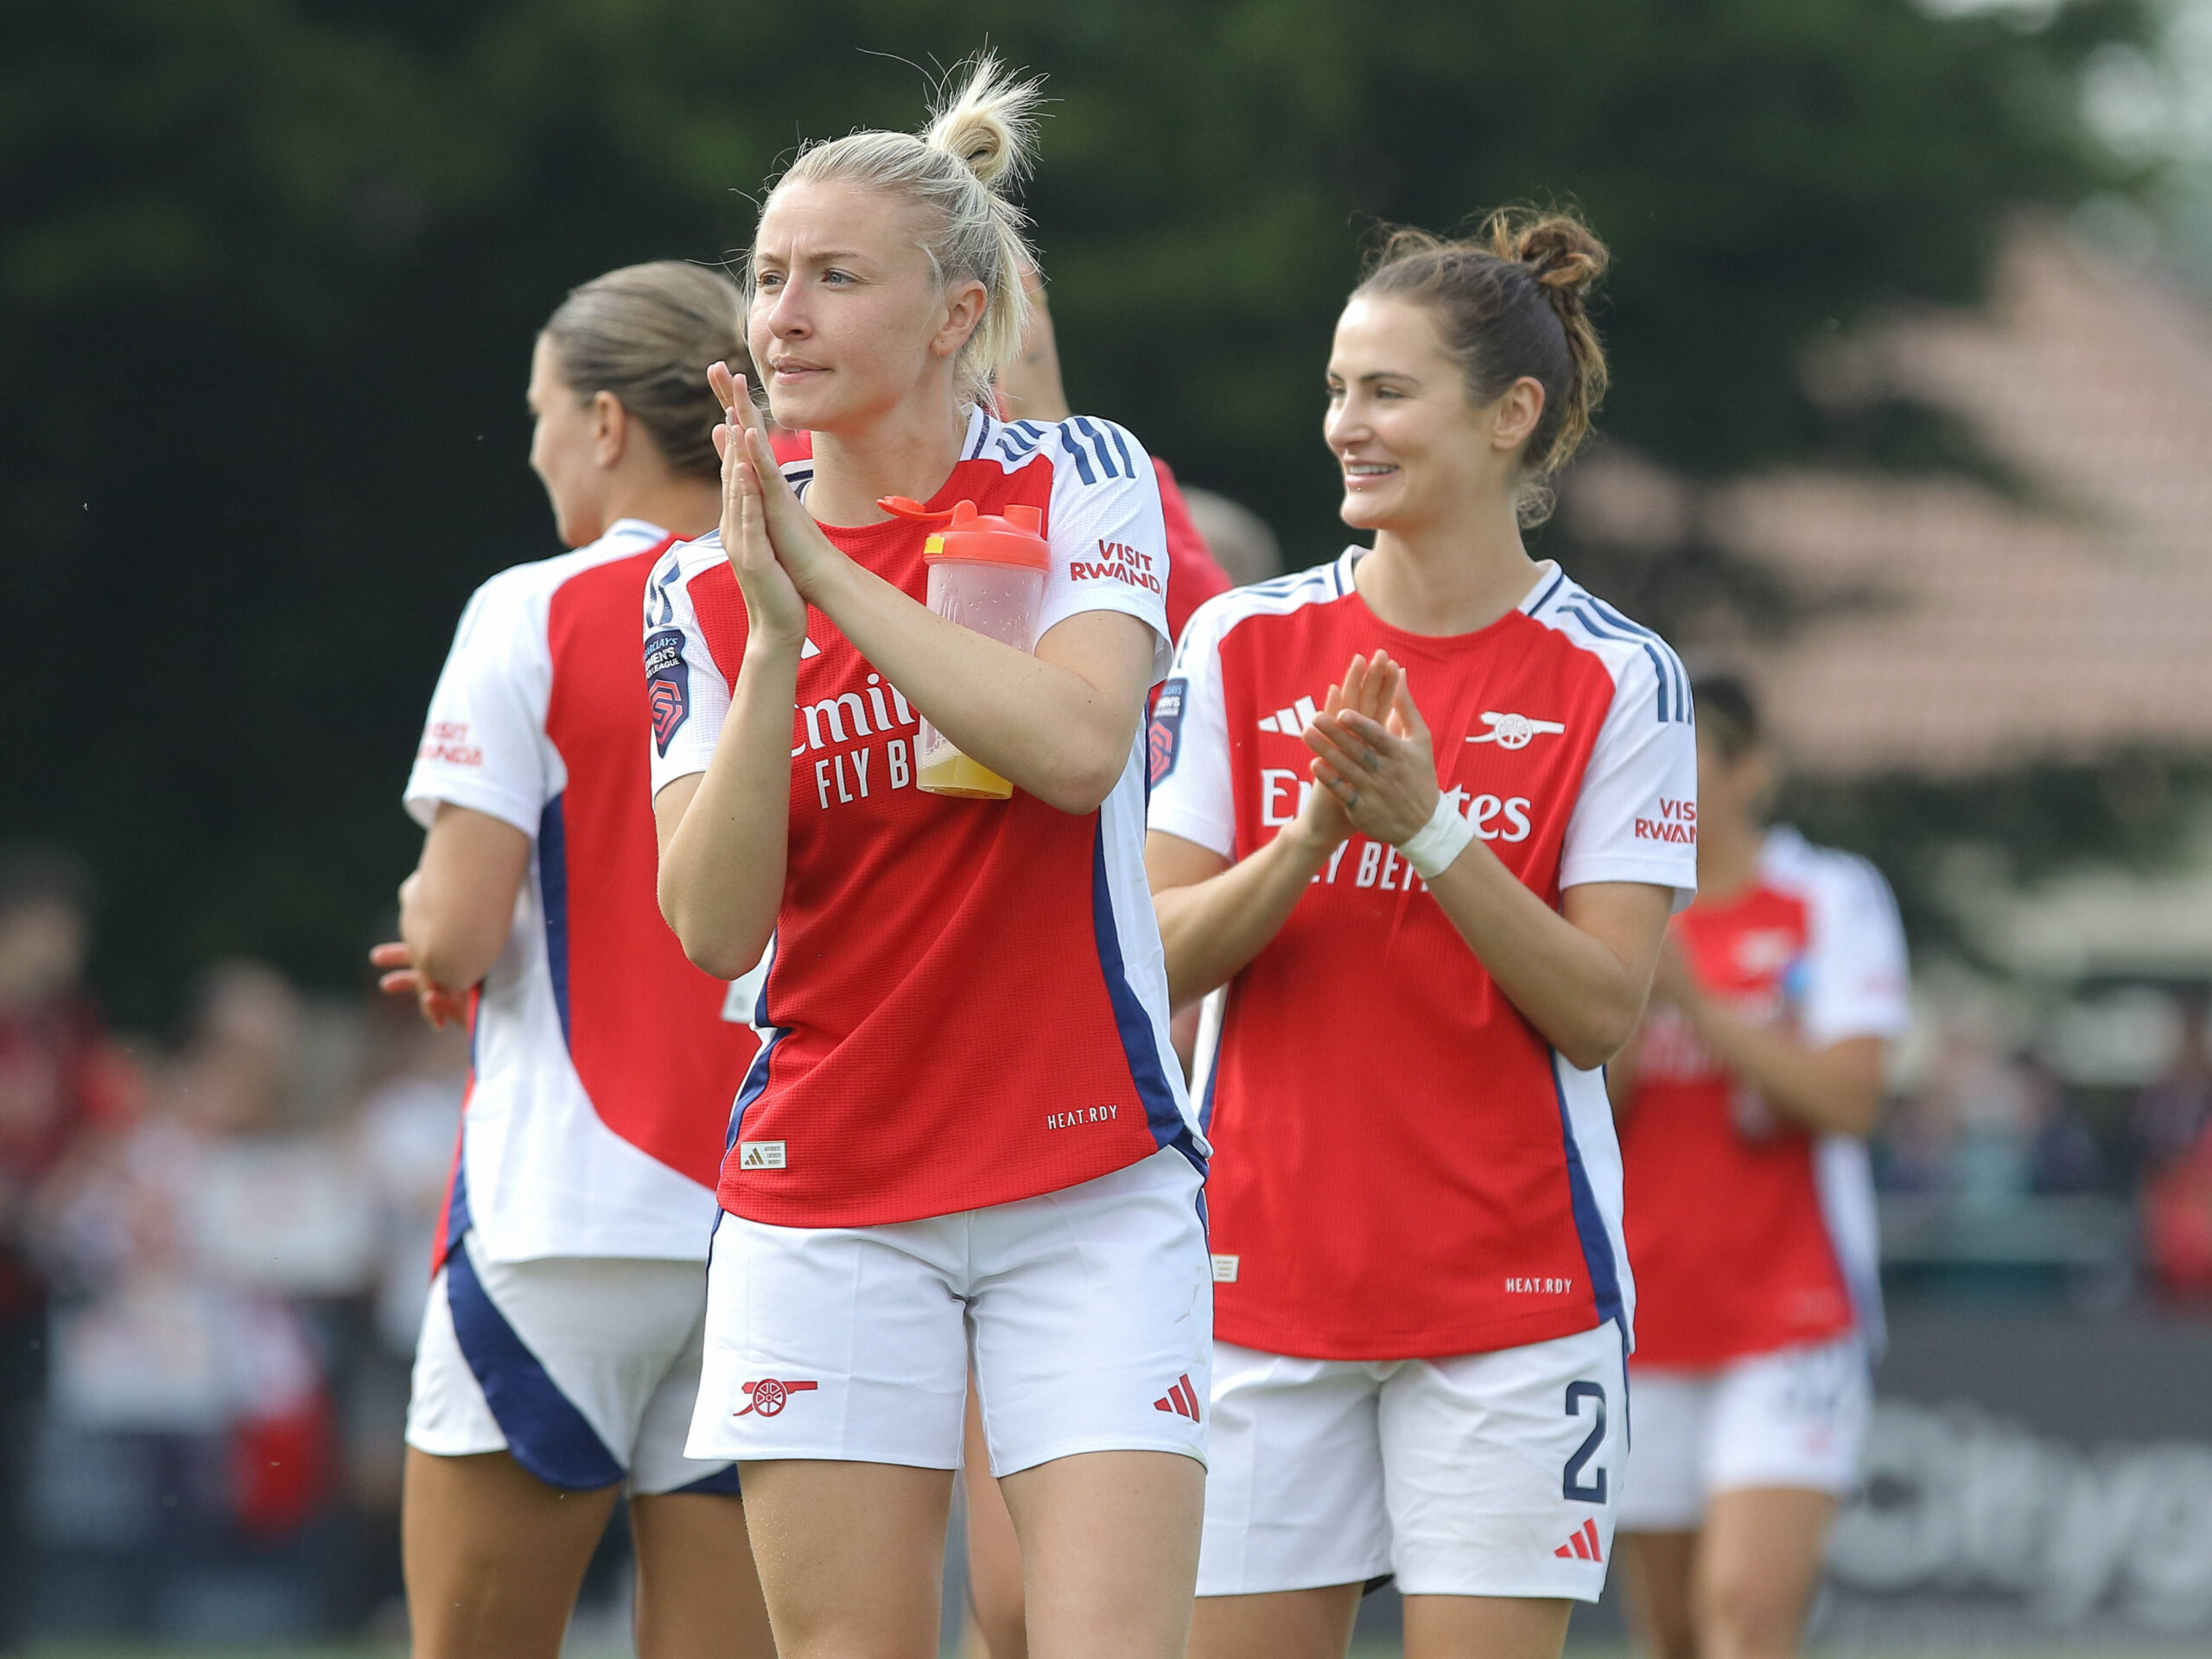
[760,1154]
[1182,1400]
[1515,731]
[1290,721]
[1582,1546]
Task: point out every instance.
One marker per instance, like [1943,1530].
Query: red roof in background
[1984,632]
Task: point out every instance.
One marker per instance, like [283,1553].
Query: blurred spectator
[1242,543]
[63,1085]
[403,1140]
[2170,1115]
[197,1244]
[2063,1156]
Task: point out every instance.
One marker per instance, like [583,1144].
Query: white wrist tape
[1431,849]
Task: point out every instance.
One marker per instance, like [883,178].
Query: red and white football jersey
[964,1003]
[1407,1168]
[1194,577]
[1749,1231]
[602,1062]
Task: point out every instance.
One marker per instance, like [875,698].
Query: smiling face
[849,322]
[565,442]
[1413,450]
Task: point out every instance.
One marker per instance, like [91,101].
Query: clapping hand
[1373,754]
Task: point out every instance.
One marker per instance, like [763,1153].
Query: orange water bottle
[986,573]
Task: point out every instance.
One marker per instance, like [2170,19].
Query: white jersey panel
[1636,818]
[675,646]
[1855,983]
[542,1175]
[1192,794]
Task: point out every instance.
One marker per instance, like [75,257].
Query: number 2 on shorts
[1571,1482]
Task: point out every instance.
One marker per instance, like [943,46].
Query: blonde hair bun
[991,124]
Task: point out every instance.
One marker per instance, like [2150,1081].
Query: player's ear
[611,424]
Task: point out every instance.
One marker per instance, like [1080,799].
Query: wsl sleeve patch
[1167,738]
[668,685]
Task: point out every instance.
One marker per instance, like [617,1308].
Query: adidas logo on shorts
[1182,1399]
[1582,1546]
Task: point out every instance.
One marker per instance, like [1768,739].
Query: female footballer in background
[1422,894]
[1745,1101]
[559,1355]
[966,1137]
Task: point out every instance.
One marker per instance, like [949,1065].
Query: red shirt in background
[60,1078]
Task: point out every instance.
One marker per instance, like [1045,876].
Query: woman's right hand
[1369,688]
[774,612]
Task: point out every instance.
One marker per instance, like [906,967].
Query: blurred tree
[270,272]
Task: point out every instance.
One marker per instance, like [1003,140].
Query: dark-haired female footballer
[1745,1100]
[559,1354]
[966,1138]
[1418,820]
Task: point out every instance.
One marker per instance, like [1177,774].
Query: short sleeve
[484,745]
[1189,744]
[1109,541]
[1635,818]
[685,691]
[1857,977]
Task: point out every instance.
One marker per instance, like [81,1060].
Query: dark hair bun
[1558,247]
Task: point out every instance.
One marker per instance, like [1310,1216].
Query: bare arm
[455,911]
[1579,973]
[724,834]
[1838,1087]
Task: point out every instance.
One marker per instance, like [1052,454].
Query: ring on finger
[1374,761]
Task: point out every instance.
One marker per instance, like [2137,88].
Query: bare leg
[1110,1546]
[994,1551]
[1658,1566]
[698,1596]
[493,1556]
[1758,1563]
[1486,1627]
[851,1555]
[1290,1624]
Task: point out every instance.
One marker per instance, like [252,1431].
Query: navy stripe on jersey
[982,432]
[457,1217]
[1652,648]
[1589,1223]
[1018,441]
[1081,457]
[546,1434]
[1139,1042]
[1680,676]
[1097,441]
[553,888]
[756,1074]
[1545,598]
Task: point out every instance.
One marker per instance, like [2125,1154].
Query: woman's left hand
[1383,772]
[804,552]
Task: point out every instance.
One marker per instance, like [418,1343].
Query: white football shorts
[1087,1314]
[1795,1418]
[1480,1475]
[583,1369]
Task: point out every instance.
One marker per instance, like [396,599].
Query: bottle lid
[1017,538]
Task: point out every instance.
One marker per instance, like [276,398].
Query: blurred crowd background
[1911,324]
